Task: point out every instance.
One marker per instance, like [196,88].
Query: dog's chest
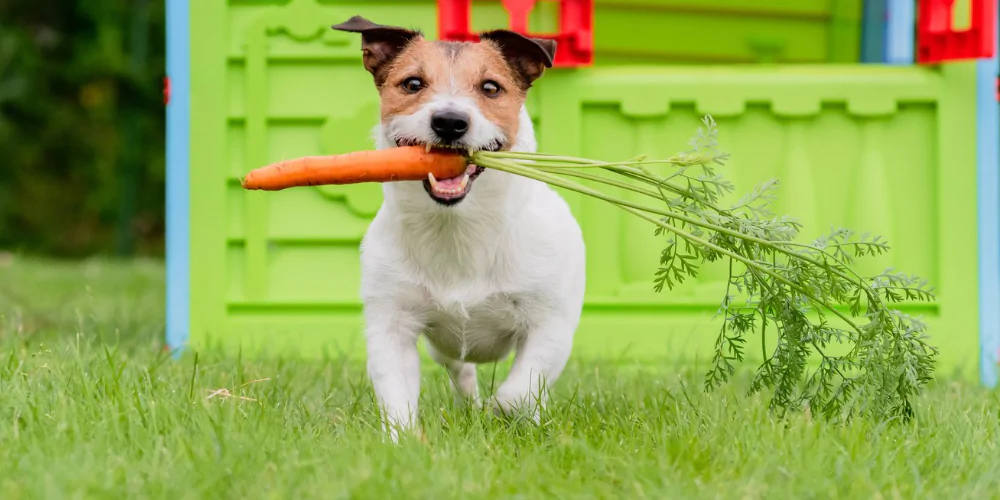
[476,331]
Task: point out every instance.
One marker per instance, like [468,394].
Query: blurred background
[81,127]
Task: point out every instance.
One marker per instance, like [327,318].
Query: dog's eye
[412,85]
[491,88]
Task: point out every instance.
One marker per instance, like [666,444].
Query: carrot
[410,163]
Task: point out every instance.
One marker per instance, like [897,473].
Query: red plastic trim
[166,90]
[576,27]
[938,42]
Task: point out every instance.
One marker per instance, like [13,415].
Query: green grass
[91,407]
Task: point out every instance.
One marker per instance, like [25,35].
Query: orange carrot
[410,163]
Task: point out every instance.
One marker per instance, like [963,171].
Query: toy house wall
[872,148]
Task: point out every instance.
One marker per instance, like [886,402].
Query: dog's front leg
[394,365]
[539,360]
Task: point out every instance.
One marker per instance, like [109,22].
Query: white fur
[501,271]
[482,132]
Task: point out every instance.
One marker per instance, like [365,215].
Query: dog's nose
[449,125]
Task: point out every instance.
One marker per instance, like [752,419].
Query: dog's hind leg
[540,359]
[463,376]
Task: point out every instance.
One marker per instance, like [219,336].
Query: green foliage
[81,126]
[799,290]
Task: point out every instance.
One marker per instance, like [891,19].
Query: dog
[480,265]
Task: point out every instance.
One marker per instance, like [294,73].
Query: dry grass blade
[226,394]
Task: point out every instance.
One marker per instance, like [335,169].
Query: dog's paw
[474,402]
[394,430]
[394,434]
[517,406]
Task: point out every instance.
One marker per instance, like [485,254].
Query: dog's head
[466,96]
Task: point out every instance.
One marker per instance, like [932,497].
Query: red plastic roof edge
[575,38]
[937,42]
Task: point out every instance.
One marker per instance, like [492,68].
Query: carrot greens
[873,359]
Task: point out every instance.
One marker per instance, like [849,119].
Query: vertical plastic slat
[454,19]
[873,32]
[988,159]
[899,38]
[256,205]
[177,156]
[518,11]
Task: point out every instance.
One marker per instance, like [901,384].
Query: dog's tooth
[465,182]
[427,148]
[433,181]
[471,152]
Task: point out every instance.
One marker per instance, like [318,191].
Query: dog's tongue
[455,182]
[451,183]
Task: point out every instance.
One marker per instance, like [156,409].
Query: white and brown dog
[481,264]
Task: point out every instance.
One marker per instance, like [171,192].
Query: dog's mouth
[454,189]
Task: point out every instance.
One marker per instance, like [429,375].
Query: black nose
[449,125]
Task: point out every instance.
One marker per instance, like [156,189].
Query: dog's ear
[527,56]
[379,44]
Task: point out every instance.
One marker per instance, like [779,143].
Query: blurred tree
[81,126]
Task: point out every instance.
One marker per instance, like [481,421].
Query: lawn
[91,407]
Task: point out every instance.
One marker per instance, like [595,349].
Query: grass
[91,407]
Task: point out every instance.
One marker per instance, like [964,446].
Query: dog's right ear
[527,56]
[379,44]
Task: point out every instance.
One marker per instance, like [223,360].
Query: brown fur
[394,54]
[454,67]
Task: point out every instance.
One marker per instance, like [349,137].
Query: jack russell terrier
[480,264]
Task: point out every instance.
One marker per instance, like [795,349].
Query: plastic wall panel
[631,31]
[871,148]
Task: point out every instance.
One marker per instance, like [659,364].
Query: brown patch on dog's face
[379,44]
[527,57]
[459,94]
[477,72]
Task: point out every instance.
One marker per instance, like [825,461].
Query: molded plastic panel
[870,148]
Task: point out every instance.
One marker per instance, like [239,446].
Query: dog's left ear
[379,44]
[528,56]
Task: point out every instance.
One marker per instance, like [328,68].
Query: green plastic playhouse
[255,81]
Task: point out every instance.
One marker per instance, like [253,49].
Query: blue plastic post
[177,155]
[988,176]
[900,31]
